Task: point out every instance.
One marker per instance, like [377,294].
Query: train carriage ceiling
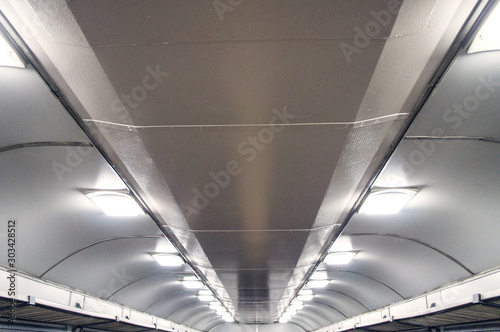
[250,132]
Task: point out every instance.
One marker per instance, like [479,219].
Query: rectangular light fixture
[340,258]
[221,311]
[305,298]
[192,282]
[306,292]
[171,260]
[115,204]
[297,304]
[488,36]
[315,284]
[319,275]
[204,292]
[206,298]
[387,201]
[305,295]
[9,57]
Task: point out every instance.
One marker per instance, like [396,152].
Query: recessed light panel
[206,298]
[115,204]
[488,36]
[9,57]
[317,283]
[387,201]
[192,282]
[171,260]
[340,258]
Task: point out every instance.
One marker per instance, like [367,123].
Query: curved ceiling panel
[29,109]
[250,135]
[398,263]
[306,322]
[368,291]
[42,178]
[342,304]
[188,311]
[444,224]
[468,109]
[199,319]
[172,302]
[316,311]
[126,260]
[149,288]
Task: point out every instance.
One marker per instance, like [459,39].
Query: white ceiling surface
[447,232]
[258,239]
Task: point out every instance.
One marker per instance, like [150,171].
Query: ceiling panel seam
[216,321]
[146,277]
[303,322]
[371,278]
[43,144]
[166,297]
[360,123]
[352,298]
[183,307]
[99,242]
[255,41]
[311,306]
[196,318]
[312,314]
[456,261]
[456,138]
[329,306]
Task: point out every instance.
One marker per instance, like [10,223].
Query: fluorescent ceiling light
[305,297]
[205,292]
[228,318]
[297,304]
[283,320]
[488,36]
[9,57]
[340,258]
[387,201]
[215,305]
[206,298]
[115,204]
[171,260]
[221,311]
[317,283]
[319,275]
[306,292]
[192,284]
